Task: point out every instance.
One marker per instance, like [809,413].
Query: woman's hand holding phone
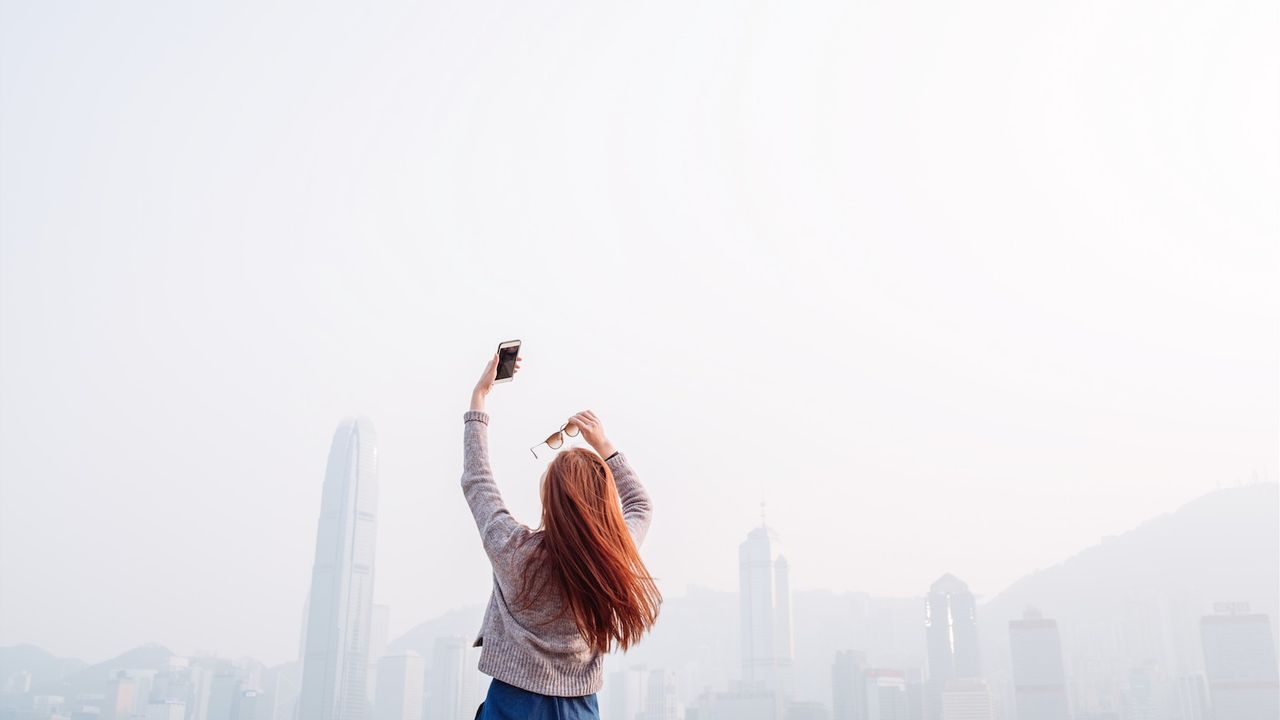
[485,383]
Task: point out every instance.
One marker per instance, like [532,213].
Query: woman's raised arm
[637,510]
[493,520]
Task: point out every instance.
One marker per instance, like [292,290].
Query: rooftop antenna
[762,522]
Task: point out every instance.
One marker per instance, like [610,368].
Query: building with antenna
[765,597]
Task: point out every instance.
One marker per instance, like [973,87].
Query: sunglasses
[555,440]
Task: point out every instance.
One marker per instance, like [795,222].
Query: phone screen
[507,362]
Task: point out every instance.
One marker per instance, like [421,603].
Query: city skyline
[1236,657]
[478,605]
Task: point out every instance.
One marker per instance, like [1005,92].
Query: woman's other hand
[593,432]
[485,383]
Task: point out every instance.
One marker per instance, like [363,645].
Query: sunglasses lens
[555,441]
[571,430]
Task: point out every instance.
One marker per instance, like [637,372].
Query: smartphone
[507,354]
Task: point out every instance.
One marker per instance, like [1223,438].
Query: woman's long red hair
[590,554]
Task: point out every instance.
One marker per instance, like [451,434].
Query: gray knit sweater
[538,649]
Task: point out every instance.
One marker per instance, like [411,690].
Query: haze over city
[944,288]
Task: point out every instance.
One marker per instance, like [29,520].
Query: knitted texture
[536,648]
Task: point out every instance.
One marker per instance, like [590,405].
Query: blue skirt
[508,702]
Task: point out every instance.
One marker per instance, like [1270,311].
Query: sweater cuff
[478,415]
[615,460]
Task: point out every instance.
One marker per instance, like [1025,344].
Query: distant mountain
[89,679]
[45,668]
[1139,596]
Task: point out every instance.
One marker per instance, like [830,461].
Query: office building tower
[340,604]
[660,697]
[282,686]
[200,676]
[849,686]
[121,697]
[224,690]
[765,600]
[400,687]
[915,695]
[1240,665]
[1039,679]
[967,699]
[951,635]
[886,693]
[625,693]
[1190,698]
[451,683]
[1138,697]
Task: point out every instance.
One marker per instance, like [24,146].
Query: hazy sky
[951,286]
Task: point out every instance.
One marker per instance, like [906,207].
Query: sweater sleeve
[636,507]
[496,525]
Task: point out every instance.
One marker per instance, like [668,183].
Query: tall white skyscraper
[765,597]
[339,609]
[400,685]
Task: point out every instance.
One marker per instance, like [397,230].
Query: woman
[567,592]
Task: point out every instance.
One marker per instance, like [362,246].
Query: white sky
[951,286]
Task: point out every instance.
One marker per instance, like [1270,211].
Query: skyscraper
[765,597]
[660,700]
[281,685]
[886,694]
[121,697]
[627,691]
[400,684]
[849,686]
[1240,662]
[336,655]
[1039,681]
[452,689]
[951,632]
[222,694]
